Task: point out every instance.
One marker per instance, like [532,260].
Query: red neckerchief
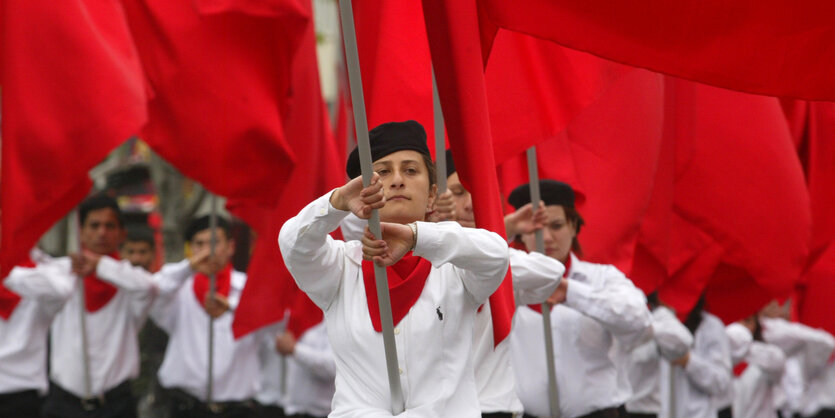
[740,368]
[405,279]
[98,292]
[9,299]
[223,282]
[538,307]
[304,314]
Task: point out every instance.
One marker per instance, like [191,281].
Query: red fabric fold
[9,299]
[304,314]
[406,279]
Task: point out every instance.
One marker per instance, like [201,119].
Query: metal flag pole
[672,391]
[212,288]
[349,37]
[440,140]
[553,392]
[82,315]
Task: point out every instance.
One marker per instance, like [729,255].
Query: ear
[430,203]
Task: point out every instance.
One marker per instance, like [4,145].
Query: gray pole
[440,140]
[349,37]
[553,392]
[672,391]
[82,317]
[212,287]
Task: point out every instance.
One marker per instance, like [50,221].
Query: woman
[435,291]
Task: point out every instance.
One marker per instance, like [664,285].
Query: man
[30,297]
[139,247]
[92,366]
[598,316]
[185,309]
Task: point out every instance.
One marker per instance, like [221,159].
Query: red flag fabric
[220,82]
[270,289]
[772,47]
[304,314]
[455,41]
[265,8]
[72,91]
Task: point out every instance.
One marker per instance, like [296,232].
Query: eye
[411,170]
[383,171]
[556,225]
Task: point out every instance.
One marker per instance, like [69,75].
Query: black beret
[552,192]
[450,164]
[203,223]
[389,138]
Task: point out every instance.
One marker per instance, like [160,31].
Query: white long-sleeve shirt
[434,340]
[112,331]
[739,340]
[185,366]
[707,374]
[603,315]
[670,340]
[43,292]
[272,367]
[535,277]
[311,372]
[754,389]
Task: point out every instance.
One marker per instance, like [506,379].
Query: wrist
[413,227]
[336,199]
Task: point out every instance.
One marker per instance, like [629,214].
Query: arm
[793,338]
[709,365]
[480,256]
[769,359]
[314,259]
[672,337]
[168,281]
[49,283]
[618,306]
[535,276]
[316,358]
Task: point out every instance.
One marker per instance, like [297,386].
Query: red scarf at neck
[9,299]
[538,307]
[97,292]
[405,279]
[223,282]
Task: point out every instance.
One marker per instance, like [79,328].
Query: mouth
[398,197]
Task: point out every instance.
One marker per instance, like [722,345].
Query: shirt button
[400,370]
[397,331]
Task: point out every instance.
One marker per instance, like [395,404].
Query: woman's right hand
[359,200]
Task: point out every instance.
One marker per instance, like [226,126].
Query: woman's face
[462,200]
[558,234]
[406,187]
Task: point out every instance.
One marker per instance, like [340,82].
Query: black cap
[389,138]
[552,192]
[450,164]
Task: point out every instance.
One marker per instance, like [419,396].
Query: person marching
[92,365]
[435,290]
[183,310]
[598,316]
[765,363]
[535,277]
[30,297]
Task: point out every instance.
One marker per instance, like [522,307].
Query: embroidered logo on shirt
[440,314]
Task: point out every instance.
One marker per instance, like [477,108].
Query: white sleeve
[740,340]
[769,358]
[794,338]
[619,306]
[315,260]
[479,256]
[673,338]
[136,281]
[709,368]
[353,228]
[535,276]
[169,280]
[50,284]
[316,358]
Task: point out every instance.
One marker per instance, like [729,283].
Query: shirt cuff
[427,237]
[578,294]
[107,267]
[324,211]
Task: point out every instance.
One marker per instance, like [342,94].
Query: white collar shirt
[311,371]
[754,388]
[236,374]
[603,317]
[23,336]
[273,367]
[740,340]
[112,331]
[434,339]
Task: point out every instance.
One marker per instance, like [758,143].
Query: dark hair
[758,329]
[574,217]
[653,301]
[431,169]
[694,318]
[142,233]
[97,202]
[202,223]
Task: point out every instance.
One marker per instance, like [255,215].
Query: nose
[396,179]
[547,236]
[468,203]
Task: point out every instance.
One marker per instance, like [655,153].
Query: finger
[369,234]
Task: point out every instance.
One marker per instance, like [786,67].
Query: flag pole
[349,38]
[82,316]
[553,392]
[672,391]
[440,140]
[212,288]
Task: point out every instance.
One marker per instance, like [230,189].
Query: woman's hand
[444,208]
[525,220]
[397,240]
[359,200]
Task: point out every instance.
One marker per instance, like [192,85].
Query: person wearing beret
[598,316]
[535,277]
[438,276]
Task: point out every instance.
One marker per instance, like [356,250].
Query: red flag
[304,314]
[270,289]
[72,91]
[454,40]
[773,47]
[265,8]
[220,83]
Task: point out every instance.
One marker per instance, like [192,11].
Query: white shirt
[43,293]
[273,365]
[603,316]
[311,372]
[707,374]
[740,339]
[112,331]
[434,350]
[185,366]
[754,389]
[670,340]
[535,277]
